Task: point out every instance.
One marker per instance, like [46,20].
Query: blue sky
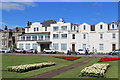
[76,12]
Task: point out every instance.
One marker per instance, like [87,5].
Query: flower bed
[28,67]
[68,58]
[108,59]
[95,70]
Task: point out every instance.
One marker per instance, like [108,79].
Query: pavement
[91,55]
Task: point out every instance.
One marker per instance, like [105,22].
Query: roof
[47,23]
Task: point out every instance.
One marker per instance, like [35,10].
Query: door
[113,47]
[44,46]
[73,47]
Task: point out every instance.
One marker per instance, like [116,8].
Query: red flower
[68,58]
[108,59]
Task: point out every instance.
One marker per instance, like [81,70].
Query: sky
[18,13]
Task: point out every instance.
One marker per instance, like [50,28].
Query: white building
[62,36]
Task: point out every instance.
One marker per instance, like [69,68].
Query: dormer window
[74,28]
[101,26]
[84,27]
[112,26]
[27,29]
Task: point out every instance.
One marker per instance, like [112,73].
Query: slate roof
[47,23]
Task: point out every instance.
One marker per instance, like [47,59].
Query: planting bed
[68,58]
[95,70]
[108,59]
[28,67]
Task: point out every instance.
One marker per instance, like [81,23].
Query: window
[55,46]
[3,42]
[45,28]
[74,28]
[40,37]
[55,35]
[27,29]
[101,36]
[113,35]
[47,37]
[64,28]
[34,37]
[112,26]
[22,37]
[92,27]
[73,36]
[64,35]
[84,27]
[101,26]
[19,37]
[27,46]
[28,37]
[20,46]
[84,36]
[3,35]
[34,29]
[101,47]
[84,46]
[37,29]
[34,46]
[55,28]
[63,46]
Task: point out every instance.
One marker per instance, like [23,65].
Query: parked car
[80,51]
[18,50]
[0,50]
[5,50]
[115,52]
[49,51]
[30,51]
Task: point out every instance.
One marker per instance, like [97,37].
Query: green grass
[12,60]
[112,71]
[74,73]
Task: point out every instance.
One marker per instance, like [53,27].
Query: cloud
[16,5]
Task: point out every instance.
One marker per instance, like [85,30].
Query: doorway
[44,46]
[73,47]
[113,47]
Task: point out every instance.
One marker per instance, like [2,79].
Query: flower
[28,67]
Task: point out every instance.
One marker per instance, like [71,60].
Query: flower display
[68,58]
[108,59]
[95,70]
[28,67]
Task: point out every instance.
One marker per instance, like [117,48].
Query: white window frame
[101,35]
[64,28]
[55,37]
[55,46]
[63,46]
[55,29]
[101,47]
[63,35]
[113,35]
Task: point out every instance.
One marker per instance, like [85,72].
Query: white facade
[64,36]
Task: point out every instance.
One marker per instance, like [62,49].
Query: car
[115,52]
[18,50]
[0,50]
[5,50]
[31,51]
[49,51]
[80,51]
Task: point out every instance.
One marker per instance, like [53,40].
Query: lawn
[74,73]
[12,60]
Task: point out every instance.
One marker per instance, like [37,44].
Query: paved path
[53,73]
